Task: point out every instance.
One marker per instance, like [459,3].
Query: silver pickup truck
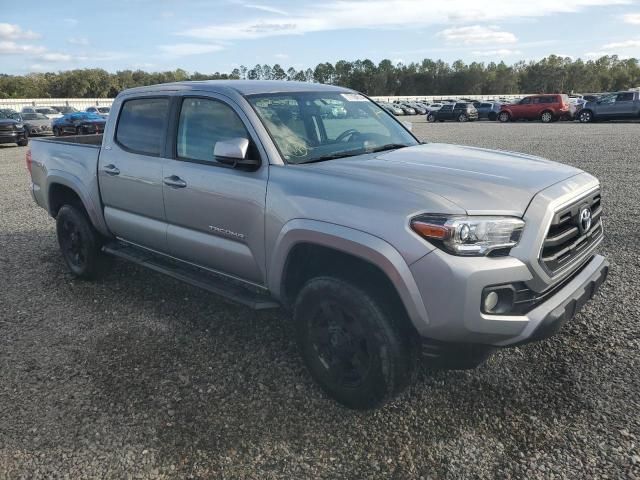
[313,198]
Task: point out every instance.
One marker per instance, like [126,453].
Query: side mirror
[233,152]
[407,125]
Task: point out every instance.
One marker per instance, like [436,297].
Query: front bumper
[451,288]
[12,137]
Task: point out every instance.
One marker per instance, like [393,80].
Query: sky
[220,35]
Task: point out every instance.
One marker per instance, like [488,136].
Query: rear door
[130,172]
[215,213]
[625,106]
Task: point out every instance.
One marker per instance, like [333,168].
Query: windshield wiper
[359,151]
[388,146]
[334,156]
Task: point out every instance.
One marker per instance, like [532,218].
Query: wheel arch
[64,188]
[342,248]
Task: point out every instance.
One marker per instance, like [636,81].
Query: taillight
[29,160]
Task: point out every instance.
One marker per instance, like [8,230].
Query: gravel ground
[139,376]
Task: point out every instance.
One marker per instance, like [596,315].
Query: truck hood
[480,181]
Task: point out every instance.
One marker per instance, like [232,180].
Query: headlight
[18,125]
[471,236]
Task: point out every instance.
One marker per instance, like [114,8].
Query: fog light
[498,300]
[490,302]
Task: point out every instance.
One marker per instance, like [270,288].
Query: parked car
[380,246]
[391,108]
[459,112]
[12,130]
[432,107]
[102,111]
[546,108]
[49,112]
[420,110]
[616,106]
[35,123]
[78,123]
[489,110]
[407,109]
[65,109]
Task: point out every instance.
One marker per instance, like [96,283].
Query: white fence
[79,103]
[83,103]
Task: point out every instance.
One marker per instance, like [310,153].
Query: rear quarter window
[142,125]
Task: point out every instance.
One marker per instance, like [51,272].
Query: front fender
[354,242]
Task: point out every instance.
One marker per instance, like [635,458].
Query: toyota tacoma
[384,249]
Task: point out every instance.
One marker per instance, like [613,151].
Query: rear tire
[79,242]
[504,117]
[463,118]
[354,346]
[431,118]
[546,117]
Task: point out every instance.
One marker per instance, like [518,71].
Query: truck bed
[95,140]
[67,161]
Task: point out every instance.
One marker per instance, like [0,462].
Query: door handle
[175,181]
[111,170]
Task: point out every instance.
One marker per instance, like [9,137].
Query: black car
[78,123]
[12,130]
[459,112]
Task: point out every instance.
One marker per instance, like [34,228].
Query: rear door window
[142,125]
[625,97]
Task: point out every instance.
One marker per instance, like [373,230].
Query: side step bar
[231,289]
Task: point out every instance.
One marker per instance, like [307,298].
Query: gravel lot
[140,376]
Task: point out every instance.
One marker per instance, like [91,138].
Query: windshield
[316,126]
[46,111]
[34,116]
[103,109]
[11,114]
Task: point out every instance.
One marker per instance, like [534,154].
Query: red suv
[547,108]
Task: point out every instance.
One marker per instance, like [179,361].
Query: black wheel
[546,117]
[462,118]
[431,118]
[56,132]
[25,141]
[585,116]
[353,346]
[79,242]
[504,117]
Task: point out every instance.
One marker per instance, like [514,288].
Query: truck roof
[243,87]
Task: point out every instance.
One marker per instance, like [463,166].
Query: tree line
[552,74]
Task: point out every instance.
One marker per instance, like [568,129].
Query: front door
[130,172]
[215,213]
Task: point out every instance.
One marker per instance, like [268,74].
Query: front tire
[504,117]
[353,346]
[79,242]
[462,118]
[546,117]
[25,141]
[431,118]
[585,116]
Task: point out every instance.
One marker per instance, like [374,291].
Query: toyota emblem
[585,219]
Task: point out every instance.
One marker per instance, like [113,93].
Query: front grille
[525,299]
[6,128]
[566,239]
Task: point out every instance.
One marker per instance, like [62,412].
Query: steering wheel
[352,132]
